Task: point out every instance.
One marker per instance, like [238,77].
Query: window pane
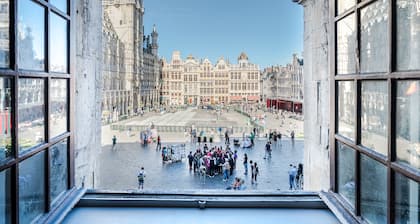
[408,34]
[31,36]
[58,169]
[407,200]
[374,37]
[4,33]
[31,113]
[345,178]
[60,4]
[373,190]
[31,188]
[343,5]
[5,197]
[6,149]
[408,122]
[346,44]
[58,43]
[346,109]
[374,115]
[58,97]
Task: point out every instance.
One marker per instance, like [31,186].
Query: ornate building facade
[149,79]
[283,86]
[244,81]
[193,82]
[123,57]
[117,97]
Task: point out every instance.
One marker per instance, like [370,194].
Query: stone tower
[155,45]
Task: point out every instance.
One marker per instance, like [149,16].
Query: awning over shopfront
[235,98]
[253,98]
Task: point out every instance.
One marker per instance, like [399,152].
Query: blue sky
[269,31]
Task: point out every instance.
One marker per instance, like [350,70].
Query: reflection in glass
[5,197]
[407,200]
[31,188]
[373,190]
[6,149]
[346,45]
[58,96]
[374,38]
[343,5]
[408,122]
[60,4]
[408,34]
[346,109]
[31,36]
[58,170]
[58,53]
[346,165]
[374,115]
[31,113]
[4,34]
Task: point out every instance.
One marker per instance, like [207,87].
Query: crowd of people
[213,161]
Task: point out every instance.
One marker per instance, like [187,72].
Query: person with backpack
[140,177]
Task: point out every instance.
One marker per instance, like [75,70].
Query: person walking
[140,177]
[267,150]
[246,164]
[226,168]
[292,175]
[190,160]
[255,172]
[114,142]
[226,137]
[252,172]
[159,144]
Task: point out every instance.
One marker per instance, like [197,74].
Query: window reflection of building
[4,33]
[387,111]
[374,23]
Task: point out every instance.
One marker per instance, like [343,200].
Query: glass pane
[58,96]
[4,33]
[345,178]
[343,5]
[60,4]
[346,109]
[58,170]
[374,37]
[408,122]
[374,116]
[373,190]
[346,45]
[58,44]
[31,188]
[31,49]
[6,149]
[5,197]
[407,200]
[408,34]
[31,113]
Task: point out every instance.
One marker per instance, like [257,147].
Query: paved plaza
[117,168]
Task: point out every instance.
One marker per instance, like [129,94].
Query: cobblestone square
[117,168]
